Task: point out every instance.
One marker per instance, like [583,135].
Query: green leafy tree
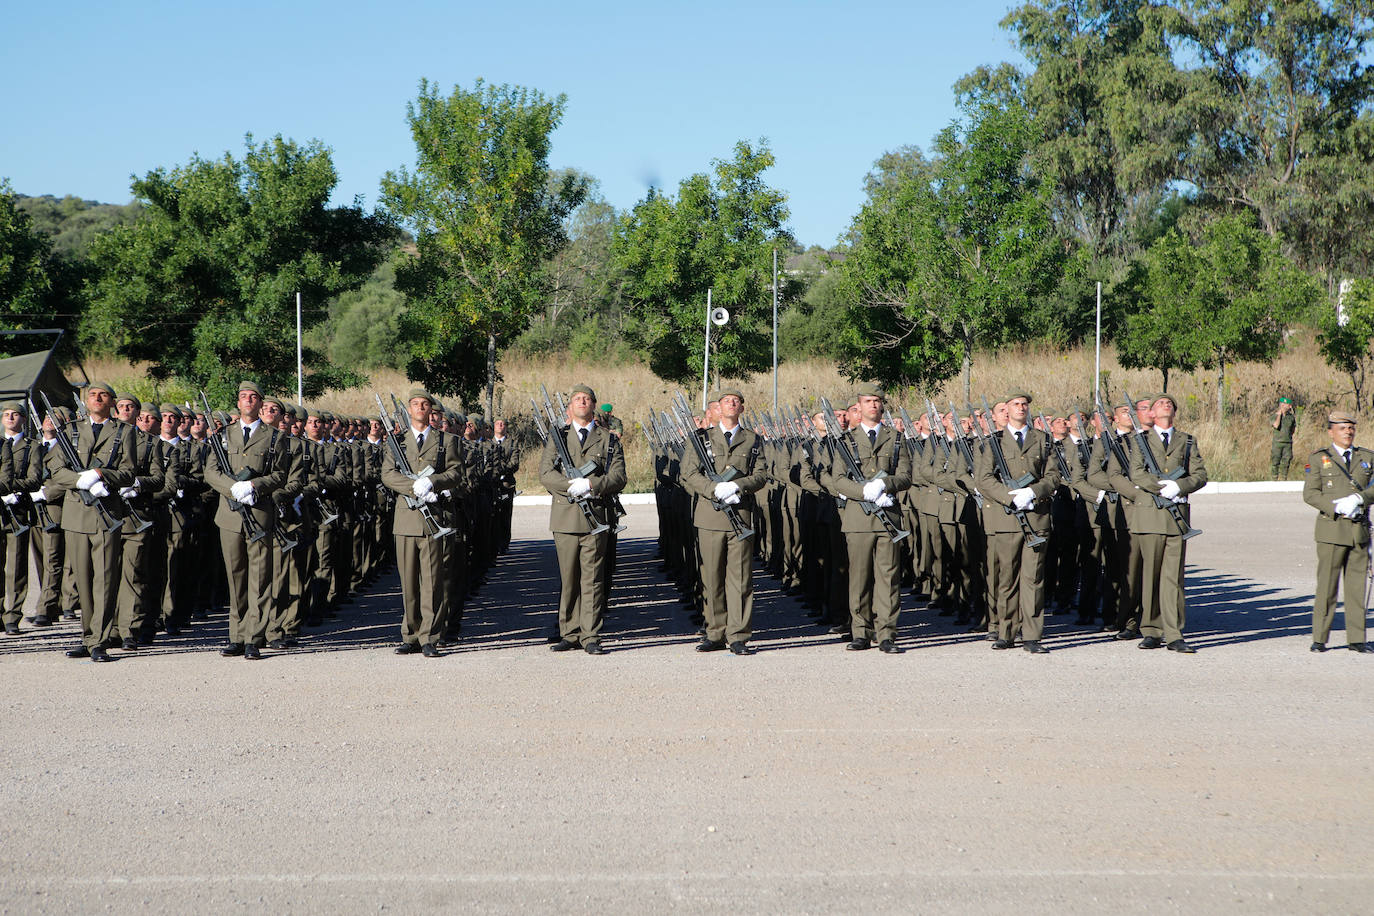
[1221,296]
[951,258]
[487,220]
[202,286]
[718,235]
[26,284]
[1346,337]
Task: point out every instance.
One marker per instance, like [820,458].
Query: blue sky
[96,92]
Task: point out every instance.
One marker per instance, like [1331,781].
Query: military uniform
[1281,447]
[1342,542]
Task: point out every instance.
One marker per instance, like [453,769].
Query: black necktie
[419,442]
[582,435]
[730,433]
[247,434]
[1346,454]
[1165,437]
[1018,438]
[873,439]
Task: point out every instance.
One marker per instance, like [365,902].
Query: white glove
[1179,500]
[180,494]
[99,490]
[446,494]
[731,500]
[128,492]
[1101,495]
[296,503]
[240,489]
[873,489]
[884,501]
[250,497]
[1347,505]
[579,487]
[11,499]
[1168,488]
[422,487]
[725,489]
[431,497]
[1022,497]
[86,478]
[39,496]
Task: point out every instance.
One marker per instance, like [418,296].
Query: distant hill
[71,222]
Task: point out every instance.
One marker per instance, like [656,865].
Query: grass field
[1235,447]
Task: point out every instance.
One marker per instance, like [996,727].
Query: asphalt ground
[503,778]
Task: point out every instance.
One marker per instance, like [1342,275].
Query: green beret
[1018,393]
[456,418]
[868,390]
[419,392]
[583,389]
[61,414]
[273,399]
[476,418]
[15,406]
[1339,416]
[170,408]
[718,395]
[1286,401]
[250,386]
[133,399]
[289,410]
[606,408]
[102,386]
[1164,396]
[326,416]
[310,413]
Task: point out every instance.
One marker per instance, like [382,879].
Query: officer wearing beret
[582,554]
[1337,483]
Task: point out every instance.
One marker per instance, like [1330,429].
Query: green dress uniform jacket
[745,455]
[1342,543]
[886,456]
[249,461]
[606,481]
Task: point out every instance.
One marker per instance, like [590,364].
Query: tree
[202,286]
[486,222]
[951,258]
[1221,296]
[718,235]
[1346,337]
[26,283]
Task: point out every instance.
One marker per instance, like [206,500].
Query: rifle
[684,419]
[856,473]
[1113,447]
[1152,467]
[999,461]
[73,462]
[1058,450]
[402,463]
[251,527]
[557,432]
[962,447]
[40,506]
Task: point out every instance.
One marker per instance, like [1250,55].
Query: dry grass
[1235,449]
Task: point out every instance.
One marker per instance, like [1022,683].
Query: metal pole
[1097,365]
[300,376]
[775,330]
[706,355]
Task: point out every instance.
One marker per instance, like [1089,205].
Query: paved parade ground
[505,778]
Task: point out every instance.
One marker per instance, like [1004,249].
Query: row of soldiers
[996,516]
[143,518]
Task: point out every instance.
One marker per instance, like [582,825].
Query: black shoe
[1127,634]
[78,652]
[1318,647]
[1360,647]
[1034,648]
[563,645]
[232,650]
[1151,642]
[407,648]
[11,629]
[277,644]
[252,652]
[740,648]
[430,650]
[859,645]
[1003,644]
[99,655]
[129,645]
[42,621]
[594,648]
[173,630]
[1179,645]
[290,642]
[890,647]
[707,645]
[68,615]
[838,629]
